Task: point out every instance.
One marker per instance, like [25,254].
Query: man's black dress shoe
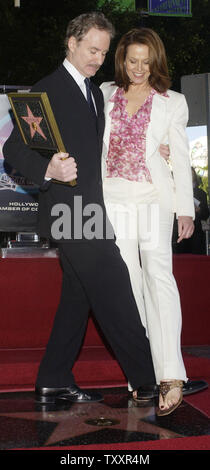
[193,386]
[147,392]
[72,393]
[152,391]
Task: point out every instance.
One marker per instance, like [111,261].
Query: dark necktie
[89,96]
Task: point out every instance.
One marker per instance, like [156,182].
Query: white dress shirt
[77,76]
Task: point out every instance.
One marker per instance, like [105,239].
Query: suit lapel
[156,129]
[107,109]
[78,92]
[100,115]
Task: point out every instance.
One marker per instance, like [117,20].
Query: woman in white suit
[141,195]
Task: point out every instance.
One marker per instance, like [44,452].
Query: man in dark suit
[94,274]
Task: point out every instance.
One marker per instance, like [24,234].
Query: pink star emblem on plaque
[34,122]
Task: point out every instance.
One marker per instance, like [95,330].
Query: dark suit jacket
[81,139]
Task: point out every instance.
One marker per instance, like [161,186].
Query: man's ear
[72,42]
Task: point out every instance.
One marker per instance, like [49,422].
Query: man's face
[88,54]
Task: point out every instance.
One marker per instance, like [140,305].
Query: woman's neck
[138,89]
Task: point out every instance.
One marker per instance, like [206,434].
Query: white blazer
[167,125]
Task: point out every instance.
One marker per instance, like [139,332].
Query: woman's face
[137,64]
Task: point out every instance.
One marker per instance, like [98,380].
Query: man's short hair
[79,26]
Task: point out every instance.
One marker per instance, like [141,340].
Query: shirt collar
[77,76]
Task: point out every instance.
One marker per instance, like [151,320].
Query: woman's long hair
[159,77]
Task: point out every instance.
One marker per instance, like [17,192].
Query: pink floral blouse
[127,148]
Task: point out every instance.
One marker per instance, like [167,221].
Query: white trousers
[143,230]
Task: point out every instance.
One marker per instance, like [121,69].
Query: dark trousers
[95,277]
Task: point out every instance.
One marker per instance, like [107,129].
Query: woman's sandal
[165,387]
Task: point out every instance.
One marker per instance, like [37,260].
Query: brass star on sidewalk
[33,122]
[75,422]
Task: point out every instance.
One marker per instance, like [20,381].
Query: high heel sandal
[164,388]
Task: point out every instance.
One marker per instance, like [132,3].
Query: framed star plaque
[37,124]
